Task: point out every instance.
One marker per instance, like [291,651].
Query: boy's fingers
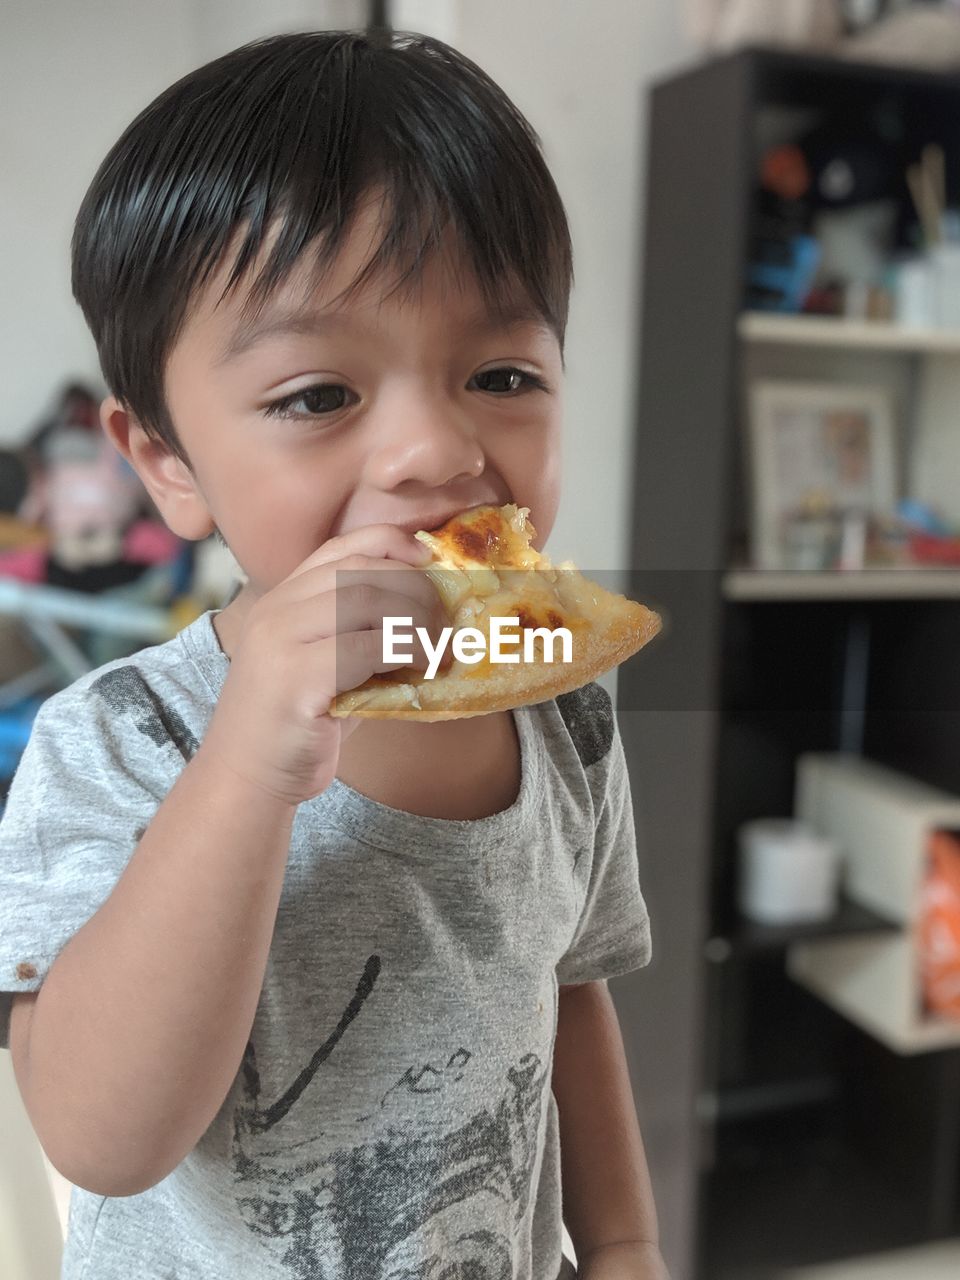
[385,576]
[379,541]
[327,601]
[353,613]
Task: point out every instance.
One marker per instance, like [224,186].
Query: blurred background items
[799,388]
[922,33]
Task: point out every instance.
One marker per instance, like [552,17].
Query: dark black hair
[294,130]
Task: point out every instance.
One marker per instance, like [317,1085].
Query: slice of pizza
[484,568]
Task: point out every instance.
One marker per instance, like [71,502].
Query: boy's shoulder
[587,748]
[141,690]
[588,716]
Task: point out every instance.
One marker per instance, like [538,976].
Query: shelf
[851,975]
[882,821]
[796,1187]
[777,682]
[828,331]
[861,584]
[745,935]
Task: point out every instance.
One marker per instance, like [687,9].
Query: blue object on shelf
[919,516]
[16,721]
[784,287]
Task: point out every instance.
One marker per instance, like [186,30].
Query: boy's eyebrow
[304,321]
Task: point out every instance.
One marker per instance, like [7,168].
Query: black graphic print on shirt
[356,1212]
[588,715]
[126,693]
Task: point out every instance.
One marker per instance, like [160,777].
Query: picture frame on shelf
[822,456]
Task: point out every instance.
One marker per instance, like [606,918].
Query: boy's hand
[304,642]
[624,1262]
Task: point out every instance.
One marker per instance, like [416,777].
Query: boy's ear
[168,480]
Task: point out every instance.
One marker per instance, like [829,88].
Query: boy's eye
[507,380]
[328,397]
[325,397]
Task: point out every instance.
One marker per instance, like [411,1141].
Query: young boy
[291,996]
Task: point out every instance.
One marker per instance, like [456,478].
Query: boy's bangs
[411,233]
[459,173]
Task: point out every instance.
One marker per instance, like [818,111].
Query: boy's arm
[607,1198]
[140,1024]
[139,1028]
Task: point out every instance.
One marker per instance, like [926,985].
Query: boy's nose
[428,440]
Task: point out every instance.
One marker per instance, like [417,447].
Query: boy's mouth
[430,524]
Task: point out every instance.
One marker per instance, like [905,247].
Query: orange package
[940,925]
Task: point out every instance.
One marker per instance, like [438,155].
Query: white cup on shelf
[915,300]
[945,260]
[788,873]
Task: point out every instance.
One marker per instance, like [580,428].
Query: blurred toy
[784,172]
[783,257]
[917,536]
[86,496]
[781,273]
[930,539]
[926,550]
[827,204]
[918,517]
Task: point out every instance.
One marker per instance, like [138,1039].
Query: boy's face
[401,410]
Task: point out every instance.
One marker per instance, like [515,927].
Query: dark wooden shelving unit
[778,1133]
[744,936]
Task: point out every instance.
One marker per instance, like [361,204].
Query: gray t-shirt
[393,1117]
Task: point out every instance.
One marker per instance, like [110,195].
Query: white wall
[71,78]
[222,25]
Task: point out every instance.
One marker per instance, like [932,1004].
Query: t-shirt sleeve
[613,934]
[85,790]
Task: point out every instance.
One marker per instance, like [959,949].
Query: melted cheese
[486,538]
[481,570]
